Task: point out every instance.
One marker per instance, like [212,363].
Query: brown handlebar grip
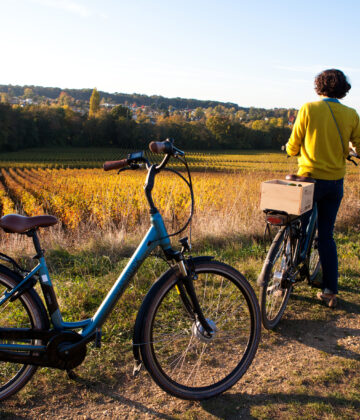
[158,147]
[115,164]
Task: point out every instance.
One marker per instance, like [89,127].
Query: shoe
[330,300]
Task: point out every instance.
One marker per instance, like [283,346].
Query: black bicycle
[293,257]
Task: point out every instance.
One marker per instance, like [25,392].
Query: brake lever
[124,169]
[352,161]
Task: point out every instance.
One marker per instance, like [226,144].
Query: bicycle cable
[189,184]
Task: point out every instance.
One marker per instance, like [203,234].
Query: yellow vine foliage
[95,197]
[224,202]
[6,204]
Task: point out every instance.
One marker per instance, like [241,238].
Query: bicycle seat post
[39,251]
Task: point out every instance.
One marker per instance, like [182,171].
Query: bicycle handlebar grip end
[115,164]
[161,147]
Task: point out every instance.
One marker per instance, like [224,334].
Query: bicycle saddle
[298,178]
[15,223]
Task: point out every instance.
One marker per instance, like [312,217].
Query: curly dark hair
[332,83]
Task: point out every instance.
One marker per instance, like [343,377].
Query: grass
[308,368]
[304,369]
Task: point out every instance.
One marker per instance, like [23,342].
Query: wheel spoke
[20,313]
[274,294]
[181,352]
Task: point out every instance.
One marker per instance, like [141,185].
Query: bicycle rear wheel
[24,312]
[275,290]
[314,258]
[175,349]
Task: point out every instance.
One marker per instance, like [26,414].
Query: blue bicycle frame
[156,236]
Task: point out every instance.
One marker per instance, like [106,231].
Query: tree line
[81,98]
[155,101]
[212,128]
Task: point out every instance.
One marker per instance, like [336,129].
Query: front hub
[200,333]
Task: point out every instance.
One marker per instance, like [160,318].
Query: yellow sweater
[317,139]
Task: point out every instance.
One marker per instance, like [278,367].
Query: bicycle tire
[172,340]
[274,298]
[313,258]
[25,312]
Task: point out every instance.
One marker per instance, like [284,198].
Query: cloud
[70,6]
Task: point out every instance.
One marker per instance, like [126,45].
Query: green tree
[94,103]
[220,127]
[240,115]
[120,111]
[199,113]
[64,99]
[28,93]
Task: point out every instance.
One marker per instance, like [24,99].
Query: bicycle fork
[202,328]
[186,290]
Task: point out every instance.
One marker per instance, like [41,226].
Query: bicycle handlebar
[167,147]
[137,160]
[160,147]
[352,154]
[115,164]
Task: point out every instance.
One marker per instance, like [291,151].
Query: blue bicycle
[197,330]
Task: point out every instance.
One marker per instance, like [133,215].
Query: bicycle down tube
[156,235]
[308,236]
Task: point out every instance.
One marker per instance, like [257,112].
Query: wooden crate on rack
[289,196]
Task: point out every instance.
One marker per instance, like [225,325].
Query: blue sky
[254,53]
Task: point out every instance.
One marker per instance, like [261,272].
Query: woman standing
[321,135]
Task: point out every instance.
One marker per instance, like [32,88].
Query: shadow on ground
[239,405]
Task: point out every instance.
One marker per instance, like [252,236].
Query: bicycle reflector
[276,219]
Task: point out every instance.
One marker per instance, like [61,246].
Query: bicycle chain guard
[61,358]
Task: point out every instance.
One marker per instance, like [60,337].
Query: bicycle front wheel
[24,312]
[178,354]
[275,291]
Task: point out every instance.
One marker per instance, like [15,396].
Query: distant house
[107,106]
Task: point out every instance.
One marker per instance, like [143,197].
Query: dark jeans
[327,195]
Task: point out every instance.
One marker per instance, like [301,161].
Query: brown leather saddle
[15,223]
[297,178]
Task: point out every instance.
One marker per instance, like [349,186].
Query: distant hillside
[117,98]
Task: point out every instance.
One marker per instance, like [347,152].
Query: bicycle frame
[156,236]
[309,230]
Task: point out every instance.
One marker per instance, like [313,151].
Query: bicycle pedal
[137,368]
[303,272]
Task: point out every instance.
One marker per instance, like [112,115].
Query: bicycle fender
[261,279]
[5,270]
[138,327]
[267,266]
[141,315]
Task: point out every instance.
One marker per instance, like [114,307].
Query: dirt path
[308,368]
